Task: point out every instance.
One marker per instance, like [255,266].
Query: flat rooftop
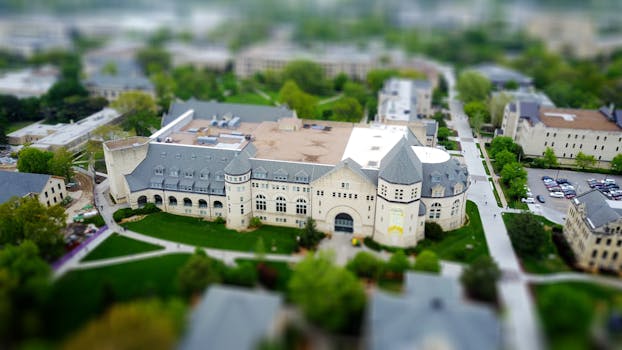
[70,132]
[368,145]
[568,118]
[38,129]
[303,145]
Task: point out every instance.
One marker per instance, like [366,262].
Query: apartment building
[240,161]
[567,131]
[593,228]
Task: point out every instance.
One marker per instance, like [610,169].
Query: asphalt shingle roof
[20,184]
[231,318]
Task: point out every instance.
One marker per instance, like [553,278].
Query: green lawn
[494,190]
[454,245]
[603,300]
[551,262]
[283,269]
[248,98]
[83,294]
[199,232]
[117,245]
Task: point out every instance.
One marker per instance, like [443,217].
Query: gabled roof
[208,109]
[401,165]
[15,184]
[597,208]
[424,320]
[231,318]
[366,174]
[265,169]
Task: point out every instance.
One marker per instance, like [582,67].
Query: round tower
[238,192]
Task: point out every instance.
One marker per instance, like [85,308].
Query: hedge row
[121,214]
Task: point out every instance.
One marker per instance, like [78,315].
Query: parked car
[570,195]
[540,198]
[609,181]
[528,200]
[555,189]
[557,194]
[546,178]
[562,181]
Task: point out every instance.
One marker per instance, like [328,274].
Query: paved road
[520,327]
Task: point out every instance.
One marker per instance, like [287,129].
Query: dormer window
[174,172]
[204,174]
[189,173]
[159,170]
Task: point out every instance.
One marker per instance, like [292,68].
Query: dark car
[546,178]
[540,198]
[562,181]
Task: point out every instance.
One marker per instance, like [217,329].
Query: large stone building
[593,228]
[566,131]
[240,161]
[50,190]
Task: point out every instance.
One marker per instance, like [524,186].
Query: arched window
[455,207]
[281,204]
[157,199]
[301,206]
[172,201]
[142,200]
[435,211]
[202,203]
[260,202]
[217,204]
[187,202]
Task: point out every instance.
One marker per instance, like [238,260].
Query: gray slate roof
[231,318]
[208,109]
[424,320]
[430,128]
[401,165]
[265,169]
[448,174]
[239,165]
[500,75]
[429,286]
[530,111]
[20,184]
[597,209]
[205,165]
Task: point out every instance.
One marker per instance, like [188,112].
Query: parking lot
[578,180]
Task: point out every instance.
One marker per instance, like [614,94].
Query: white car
[528,200]
[557,194]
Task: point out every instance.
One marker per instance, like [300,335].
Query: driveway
[555,209]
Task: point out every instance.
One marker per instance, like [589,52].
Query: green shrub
[434,231]
[219,220]
[371,244]
[96,220]
[366,265]
[255,222]
[122,214]
[244,274]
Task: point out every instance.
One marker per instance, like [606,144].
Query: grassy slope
[198,232]
[116,245]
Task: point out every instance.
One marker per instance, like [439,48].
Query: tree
[24,287]
[472,86]
[501,143]
[616,163]
[110,132]
[476,122]
[366,265]
[199,272]
[549,159]
[516,188]
[502,158]
[343,297]
[309,235]
[33,160]
[377,77]
[528,236]
[339,81]
[165,87]
[568,310]
[357,91]
[443,133]
[497,106]
[512,171]
[61,164]
[148,324]
[427,261]
[397,264]
[134,101]
[244,274]
[308,75]
[477,107]
[480,279]
[153,60]
[434,231]
[27,219]
[304,104]
[347,109]
[583,160]
[62,89]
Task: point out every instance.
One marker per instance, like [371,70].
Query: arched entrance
[344,223]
